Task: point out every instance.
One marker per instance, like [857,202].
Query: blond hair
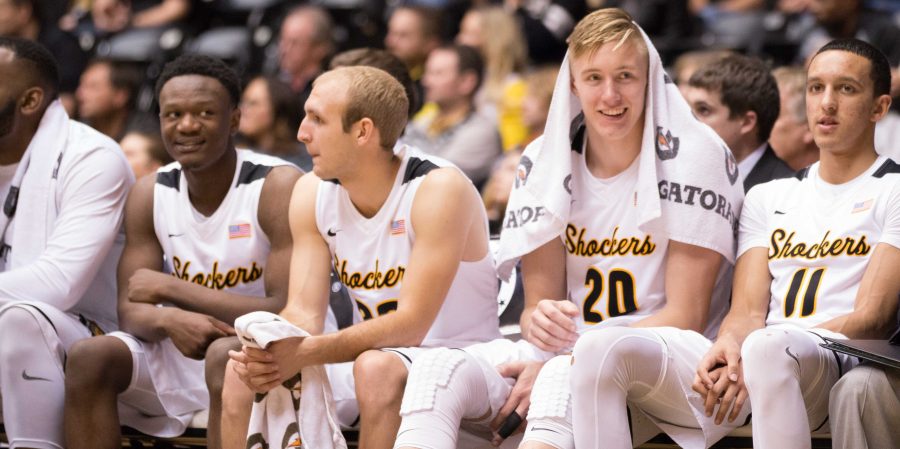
[503,48]
[791,80]
[375,94]
[602,27]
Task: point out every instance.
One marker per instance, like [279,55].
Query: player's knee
[551,396]
[448,380]
[215,362]
[98,363]
[18,325]
[380,379]
[237,399]
[767,359]
[613,347]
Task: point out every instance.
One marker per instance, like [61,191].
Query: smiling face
[611,84]
[841,107]
[197,119]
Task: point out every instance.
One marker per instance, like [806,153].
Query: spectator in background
[384,60]
[791,137]
[732,23]
[112,16]
[536,104]
[456,130]
[688,63]
[667,22]
[106,96]
[738,98]
[305,41]
[547,24]
[21,18]
[498,37]
[497,188]
[144,150]
[413,32]
[270,117]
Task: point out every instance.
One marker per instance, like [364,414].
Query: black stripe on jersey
[802,173]
[417,167]
[251,172]
[887,167]
[170,178]
[576,132]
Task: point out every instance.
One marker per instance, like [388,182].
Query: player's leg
[33,343]
[237,402]
[646,371]
[215,366]
[864,409]
[380,378]
[445,386]
[550,414]
[788,376]
[98,370]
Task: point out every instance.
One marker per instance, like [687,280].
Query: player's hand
[726,351]
[144,286]
[193,332]
[519,398]
[552,325]
[729,395]
[261,370]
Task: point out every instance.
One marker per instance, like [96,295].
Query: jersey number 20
[620,294]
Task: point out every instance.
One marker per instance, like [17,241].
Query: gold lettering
[613,246]
[782,247]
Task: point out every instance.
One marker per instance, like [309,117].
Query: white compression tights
[32,359]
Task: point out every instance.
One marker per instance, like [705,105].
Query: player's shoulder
[887,169]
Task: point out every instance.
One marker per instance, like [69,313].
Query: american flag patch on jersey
[861,206]
[239,231]
[398,227]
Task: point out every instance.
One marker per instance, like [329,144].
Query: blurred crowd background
[481,72]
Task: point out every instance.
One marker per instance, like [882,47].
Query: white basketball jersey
[370,255]
[820,237]
[614,271]
[228,249]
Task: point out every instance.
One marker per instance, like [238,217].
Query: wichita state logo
[523,170]
[666,144]
[731,167]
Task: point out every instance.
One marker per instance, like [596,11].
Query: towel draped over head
[687,188]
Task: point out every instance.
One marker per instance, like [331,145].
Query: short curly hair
[204,66]
[38,61]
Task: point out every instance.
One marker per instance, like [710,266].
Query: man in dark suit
[738,98]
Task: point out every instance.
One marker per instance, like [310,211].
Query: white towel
[35,178]
[676,149]
[277,418]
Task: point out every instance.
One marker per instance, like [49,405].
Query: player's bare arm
[190,332]
[688,292]
[445,200]
[225,306]
[875,309]
[719,374]
[546,320]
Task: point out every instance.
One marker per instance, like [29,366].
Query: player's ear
[882,105]
[235,121]
[31,101]
[364,131]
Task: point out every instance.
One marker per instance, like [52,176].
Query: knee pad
[24,323]
[432,372]
[551,396]
[444,386]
